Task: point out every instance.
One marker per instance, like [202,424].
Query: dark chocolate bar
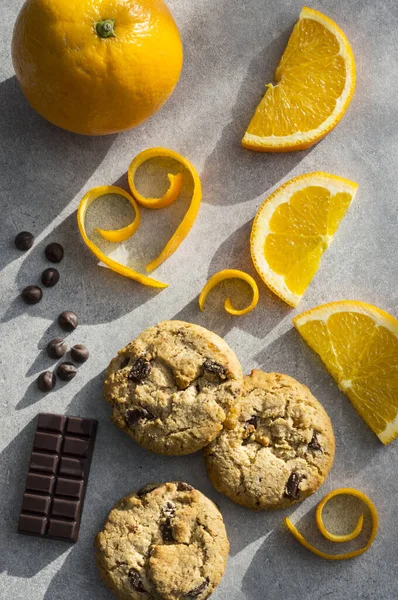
[58,475]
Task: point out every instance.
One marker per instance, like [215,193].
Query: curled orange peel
[230,274]
[117,235]
[339,538]
[168,199]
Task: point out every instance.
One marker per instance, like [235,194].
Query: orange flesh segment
[314,84]
[359,345]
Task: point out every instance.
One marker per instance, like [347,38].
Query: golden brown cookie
[277,446]
[165,542]
[172,387]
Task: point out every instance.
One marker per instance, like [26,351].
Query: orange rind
[171,195]
[293,228]
[230,274]
[117,235]
[339,538]
[314,85]
[358,344]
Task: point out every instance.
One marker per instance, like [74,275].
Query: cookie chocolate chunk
[279,445]
[172,387]
[138,561]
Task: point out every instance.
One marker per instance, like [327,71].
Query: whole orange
[96,66]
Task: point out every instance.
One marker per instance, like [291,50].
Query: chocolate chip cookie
[277,446]
[172,387]
[165,542]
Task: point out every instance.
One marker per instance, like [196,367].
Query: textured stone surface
[231,50]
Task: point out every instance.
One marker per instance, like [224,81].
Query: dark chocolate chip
[314,443]
[198,590]
[120,563]
[184,487]
[167,531]
[54,252]
[66,371]
[213,367]
[50,277]
[125,362]
[140,369]
[46,381]
[24,240]
[149,487]
[136,415]
[68,320]
[56,348]
[136,581]
[292,489]
[252,422]
[79,353]
[247,440]
[32,294]
[169,510]
[249,428]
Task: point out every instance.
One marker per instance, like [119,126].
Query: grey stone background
[231,51]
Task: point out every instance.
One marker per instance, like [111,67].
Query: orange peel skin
[230,274]
[169,197]
[117,235]
[339,538]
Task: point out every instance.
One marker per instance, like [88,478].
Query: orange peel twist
[230,274]
[339,538]
[120,235]
[170,196]
[117,235]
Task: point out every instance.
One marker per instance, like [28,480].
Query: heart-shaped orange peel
[120,235]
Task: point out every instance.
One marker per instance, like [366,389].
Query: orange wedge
[293,228]
[359,345]
[315,82]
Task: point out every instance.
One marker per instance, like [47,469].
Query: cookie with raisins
[172,387]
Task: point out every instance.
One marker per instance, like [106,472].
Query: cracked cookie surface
[165,542]
[172,387]
[277,446]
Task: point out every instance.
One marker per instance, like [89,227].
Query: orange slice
[359,345]
[293,228]
[315,82]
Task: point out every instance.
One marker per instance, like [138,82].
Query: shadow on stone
[234,253]
[357,446]
[41,162]
[257,172]
[75,291]
[282,565]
